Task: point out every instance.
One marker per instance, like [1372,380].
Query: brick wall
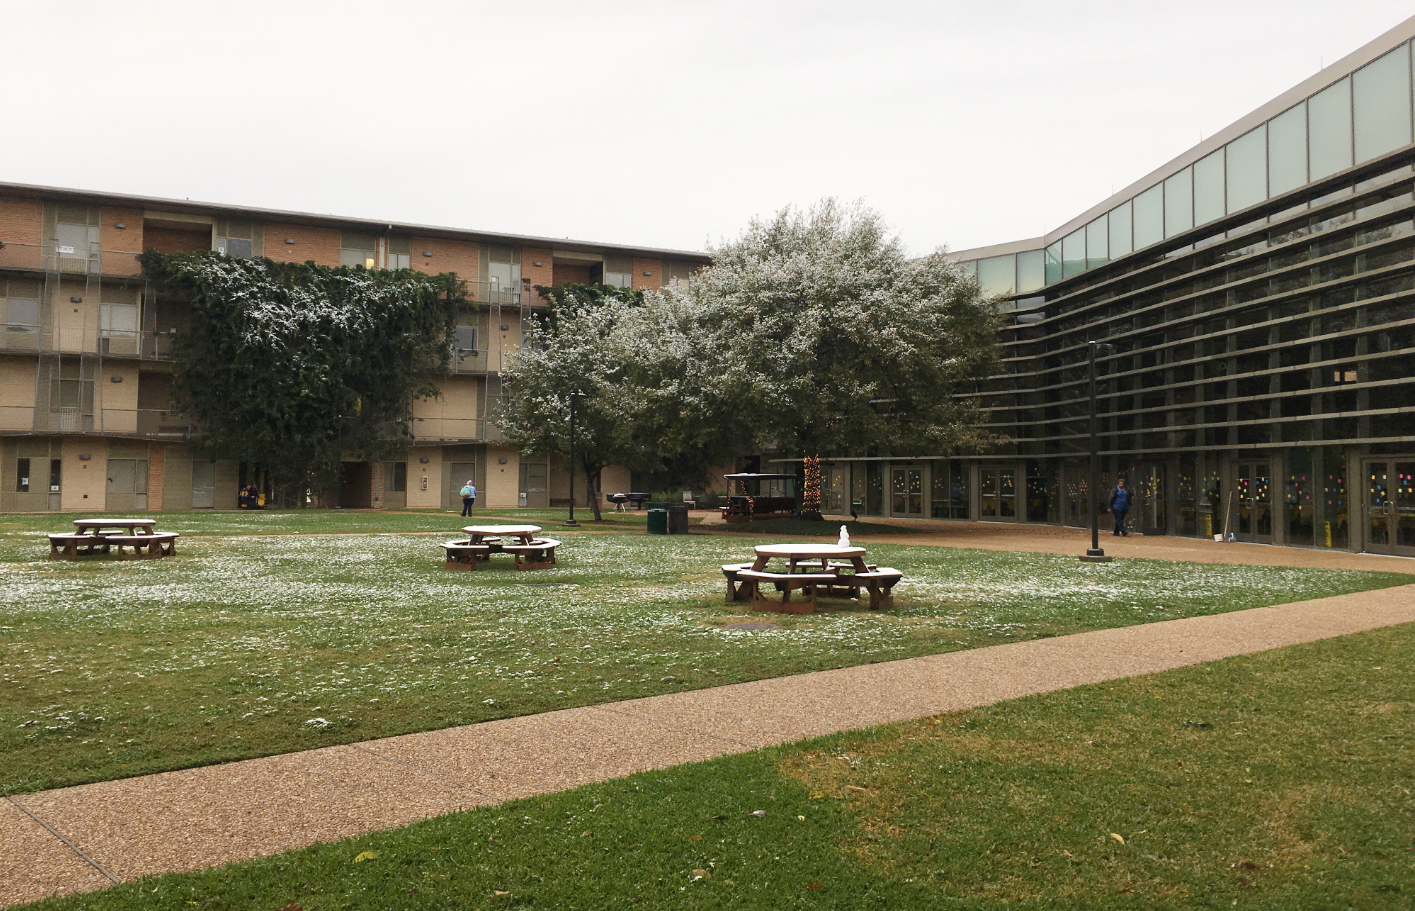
[21,230]
[156,474]
[177,240]
[460,256]
[120,245]
[571,275]
[651,282]
[310,243]
[544,274]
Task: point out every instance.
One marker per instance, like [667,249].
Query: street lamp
[573,396]
[1095,554]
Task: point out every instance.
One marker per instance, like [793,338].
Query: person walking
[1119,506]
[469,498]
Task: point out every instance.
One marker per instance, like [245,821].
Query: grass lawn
[1280,781]
[256,640]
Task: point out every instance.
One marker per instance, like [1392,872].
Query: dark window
[55,472]
[22,476]
[400,477]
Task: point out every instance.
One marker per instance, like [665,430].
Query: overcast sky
[661,124]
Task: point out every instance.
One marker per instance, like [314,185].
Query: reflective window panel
[1287,150]
[1120,242]
[1208,188]
[1097,246]
[1329,133]
[1149,217]
[1247,169]
[1382,104]
[997,275]
[1031,271]
[1053,268]
[1073,253]
[970,268]
[1179,203]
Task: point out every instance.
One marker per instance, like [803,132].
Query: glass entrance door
[1150,490]
[999,492]
[1390,507]
[1254,502]
[906,490]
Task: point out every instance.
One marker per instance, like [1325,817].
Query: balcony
[456,430]
[69,260]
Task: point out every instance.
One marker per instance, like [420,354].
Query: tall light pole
[573,396]
[1095,554]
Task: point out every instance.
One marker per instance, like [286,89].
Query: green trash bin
[658,522]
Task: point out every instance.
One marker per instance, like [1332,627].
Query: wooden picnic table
[520,541]
[129,526]
[839,571]
[476,533]
[133,539]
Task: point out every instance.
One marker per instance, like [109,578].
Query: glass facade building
[1257,300]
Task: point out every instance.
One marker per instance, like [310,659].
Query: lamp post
[1095,554]
[573,396]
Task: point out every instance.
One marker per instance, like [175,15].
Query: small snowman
[844,536]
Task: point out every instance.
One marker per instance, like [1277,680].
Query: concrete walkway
[88,837]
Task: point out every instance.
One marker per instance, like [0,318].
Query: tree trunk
[591,489]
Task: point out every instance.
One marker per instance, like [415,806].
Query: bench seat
[786,583]
[880,583]
[464,555]
[157,544]
[539,554]
[67,545]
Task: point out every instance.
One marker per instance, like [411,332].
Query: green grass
[273,642]
[1278,781]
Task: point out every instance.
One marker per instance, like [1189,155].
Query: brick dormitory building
[86,350]
[1256,296]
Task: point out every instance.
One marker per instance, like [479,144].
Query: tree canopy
[576,349]
[813,333]
[290,366]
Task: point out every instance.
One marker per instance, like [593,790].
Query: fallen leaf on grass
[695,838]
[701,874]
[757,813]
[1116,838]
[855,788]
[366,855]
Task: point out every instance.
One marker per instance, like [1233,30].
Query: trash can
[678,518]
[658,522]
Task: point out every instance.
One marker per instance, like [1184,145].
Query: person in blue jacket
[1119,506]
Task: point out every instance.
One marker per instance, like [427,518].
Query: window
[22,475]
[1073,253]
[239,238]
[395,477]
[72,233]
[1149,217]
[1382,104]
[1031,274]
[997,275]
[1287,150]
[20,306]
[619,271]
[466,338]
[1053,263]
[1247,169]
[503,274]
[55,474]
[1120,238]
[1329,117]
[127,476]
[400,253]
[70,390]
[1097,243]
[1179,203]
[676,272]
[118,329]
[1208,188]
[357,249]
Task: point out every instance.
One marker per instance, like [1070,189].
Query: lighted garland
[811,490]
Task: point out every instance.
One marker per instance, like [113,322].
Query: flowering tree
[577,349]
[814,332]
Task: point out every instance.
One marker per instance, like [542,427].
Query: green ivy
[293,366]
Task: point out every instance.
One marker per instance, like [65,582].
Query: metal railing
[469,430]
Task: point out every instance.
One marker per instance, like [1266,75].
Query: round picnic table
[476,533]
[97,526]
[810,552]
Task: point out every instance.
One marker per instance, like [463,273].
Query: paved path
[86,837]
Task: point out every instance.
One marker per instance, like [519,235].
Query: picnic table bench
[93,536]
[519,541]
[812,572]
